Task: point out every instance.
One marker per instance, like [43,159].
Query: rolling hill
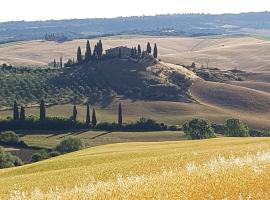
[243,53]
[187,169]
[157,90]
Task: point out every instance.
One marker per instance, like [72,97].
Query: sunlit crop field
[222,168]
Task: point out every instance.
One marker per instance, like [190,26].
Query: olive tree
[198,129]
[234,127]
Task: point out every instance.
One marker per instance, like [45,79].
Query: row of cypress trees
[96,55]
[21,115]
[138,50]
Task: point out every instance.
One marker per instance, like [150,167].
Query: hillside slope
[249,105]
[100,81]
[243,53]
[148,170]
[232,97]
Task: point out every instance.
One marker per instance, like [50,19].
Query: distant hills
[167,25]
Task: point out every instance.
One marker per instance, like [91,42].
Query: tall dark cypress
[132,52]
[120,52]
[120,115]
[94,118]
[79,55]
[61,62]
[22,113]
[135,51]
[74,113]
[42,110]
[139,50]
[87,121]
[148,48]
[54,63]
[99,49]
[95,56]
[15,111]
[88,52]
[155,53]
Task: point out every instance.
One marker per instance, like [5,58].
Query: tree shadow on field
[102,134]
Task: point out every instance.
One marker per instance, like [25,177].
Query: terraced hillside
[171,170]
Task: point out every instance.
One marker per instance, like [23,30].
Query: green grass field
[47,139]
[221,168]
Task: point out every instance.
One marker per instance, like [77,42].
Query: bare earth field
[244,53]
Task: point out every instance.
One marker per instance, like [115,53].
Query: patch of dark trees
[21,122]
[56,38]
[98,54]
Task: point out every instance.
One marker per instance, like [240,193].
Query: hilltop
[182,92]
[146,79]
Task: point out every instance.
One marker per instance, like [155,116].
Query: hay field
[245,53]
[222,168]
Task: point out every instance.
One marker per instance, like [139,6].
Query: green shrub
[69,144]
[54,154]
[7,160]
[9,137]
[198,129]
[236,128]
[40,155]
[259,133]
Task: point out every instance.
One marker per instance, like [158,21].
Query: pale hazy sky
[66,9]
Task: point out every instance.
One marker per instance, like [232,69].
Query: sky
[29,10]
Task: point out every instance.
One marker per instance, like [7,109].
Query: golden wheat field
[221,168]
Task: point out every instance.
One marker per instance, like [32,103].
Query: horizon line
[135,16]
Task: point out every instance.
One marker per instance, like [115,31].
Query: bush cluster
[202,129]
[9,138]
[142,124]
[32,123]
[198,129]
[67,145]
[7,160]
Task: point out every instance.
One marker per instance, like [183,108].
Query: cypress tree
[148,48]
[139,50]
[54,63]
[74,113]
[94,118]
[15,111]
[135,51]
[95,56]
[120,115]
[42,110]
[79,55]
[61,62]
[155,53]
[22,113]
[99,49]
[120,53]
[132,52]
[88,52]
[88,115]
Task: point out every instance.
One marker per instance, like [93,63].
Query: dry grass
[175,113]
[238,52]
[225,168]
[251,106]
[260,86]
